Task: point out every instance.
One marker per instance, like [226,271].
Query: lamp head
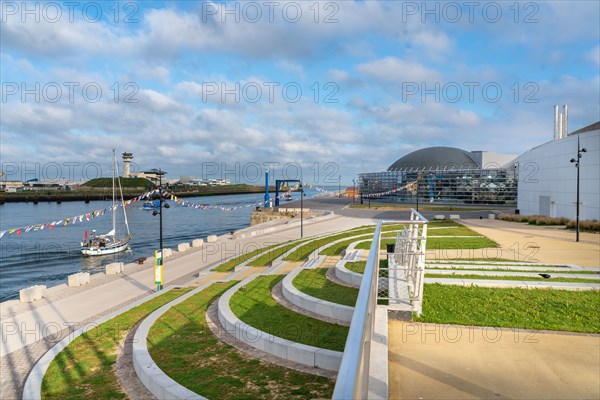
[573,160]
[584,150]
[167,205]
[155,213]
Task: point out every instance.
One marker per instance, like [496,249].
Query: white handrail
[353,377]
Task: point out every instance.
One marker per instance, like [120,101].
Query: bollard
[211,239]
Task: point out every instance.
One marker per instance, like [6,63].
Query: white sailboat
[108,243]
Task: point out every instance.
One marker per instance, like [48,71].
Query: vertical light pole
[160,262]
[576,162]
[353,189]
[301,209]
[340,186]
[417,194]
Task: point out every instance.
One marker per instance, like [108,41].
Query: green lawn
[267,258]
[85,368]
[338,248]
[255,306]
[541,269]
[358,266]
[314,283]
[562,310]
[183,346]
[511,278]
[438,243]
[234,262]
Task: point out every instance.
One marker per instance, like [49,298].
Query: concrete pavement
[545,244]
[430,361]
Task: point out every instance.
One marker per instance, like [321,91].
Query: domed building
[445,175]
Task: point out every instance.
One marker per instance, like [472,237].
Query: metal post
[353,190]
[160,207]
[577,205]
[340,186]
[417,195]
[577,161]
[301,210]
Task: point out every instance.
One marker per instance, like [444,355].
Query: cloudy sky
[337,88]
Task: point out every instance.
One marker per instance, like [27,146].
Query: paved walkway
[430,361]
[28,331]
[523,242]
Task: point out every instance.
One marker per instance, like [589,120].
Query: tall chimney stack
[560,125]
[556,127]
[565,122]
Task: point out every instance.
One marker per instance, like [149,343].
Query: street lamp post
[301,210]
[576,161]
[340,186]
[353,189]
[417,195]
[160,261]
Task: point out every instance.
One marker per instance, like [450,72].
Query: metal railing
[353,376]
[406,266]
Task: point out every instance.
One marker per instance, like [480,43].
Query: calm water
[46,257]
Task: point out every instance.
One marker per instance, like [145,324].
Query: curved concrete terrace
[282,348]
[313,304]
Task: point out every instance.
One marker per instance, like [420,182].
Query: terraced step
[312,304]
[248,312]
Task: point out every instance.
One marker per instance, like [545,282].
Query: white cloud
[396,70]
[594,55]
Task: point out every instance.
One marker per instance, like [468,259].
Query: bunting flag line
[88,216]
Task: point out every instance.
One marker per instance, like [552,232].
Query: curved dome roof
[435,158]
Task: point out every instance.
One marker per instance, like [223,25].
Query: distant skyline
[331,88]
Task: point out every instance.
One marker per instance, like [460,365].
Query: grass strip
[256,307]
[306,250]
[234,262]
[337,248]
[488,259]
[548,309]
[438,243]
[267,258]
[85,368]
[358,266]
[314,283]
[514,270]
[513,278]
[184,347]
[303,252]
[271,253]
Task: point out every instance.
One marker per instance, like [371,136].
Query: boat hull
[103,251]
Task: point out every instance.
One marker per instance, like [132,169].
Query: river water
[46,257]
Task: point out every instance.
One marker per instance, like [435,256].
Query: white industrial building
[548,178]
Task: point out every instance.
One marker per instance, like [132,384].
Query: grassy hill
[125,183]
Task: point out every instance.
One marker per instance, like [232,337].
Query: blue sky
[189,85]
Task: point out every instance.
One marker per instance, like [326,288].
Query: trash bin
[390,247]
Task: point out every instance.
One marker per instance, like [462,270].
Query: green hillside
[125,183]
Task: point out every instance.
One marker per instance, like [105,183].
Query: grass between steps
[547,309]
[267,258]
[256,307]
[85,368]
[541,269]
[314,283]
[303,252]
[511,278]
[184,347]
[234,262]
[439,243]
[358,266]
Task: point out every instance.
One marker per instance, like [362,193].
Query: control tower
[127,157]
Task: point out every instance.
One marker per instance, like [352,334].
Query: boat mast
[114,212]
[122,200]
